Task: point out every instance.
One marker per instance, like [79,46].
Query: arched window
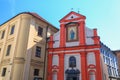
[54,76]
[72,61]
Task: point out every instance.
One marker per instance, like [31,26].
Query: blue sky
[101,14]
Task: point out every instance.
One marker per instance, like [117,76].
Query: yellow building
[23,47]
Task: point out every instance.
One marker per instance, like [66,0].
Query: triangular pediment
[72,15]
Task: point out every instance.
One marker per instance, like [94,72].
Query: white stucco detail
[56,38]
[89,34]
[72,15]
[73,21]
[55,60]
[70,44]
[73,50]
[91,58]
[78,63]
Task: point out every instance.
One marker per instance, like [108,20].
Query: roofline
[116,50]
[31,15]
[70,13]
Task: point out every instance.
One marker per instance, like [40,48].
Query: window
[38,51]
[40,30]
[3,33]
[54,75]
[8,50]
[92,76]
[36,72]
[3,72]
[72,61]
[104,58]
[109,70]
[12,30]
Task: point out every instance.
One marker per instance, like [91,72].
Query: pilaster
[82,33]
[83,66]
[49,77]
[98,66]
[50,43]
[61,67]
[62,35]
[96,37]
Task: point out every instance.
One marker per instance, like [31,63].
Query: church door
[72,74]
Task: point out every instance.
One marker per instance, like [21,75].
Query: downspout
[45,56]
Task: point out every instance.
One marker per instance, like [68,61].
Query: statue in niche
[72,34]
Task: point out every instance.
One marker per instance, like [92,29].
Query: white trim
[73,21]
[73,50]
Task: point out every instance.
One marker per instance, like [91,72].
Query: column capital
[83,53]
[60,54]
[62,25]
[97,52]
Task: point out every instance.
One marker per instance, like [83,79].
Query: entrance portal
[72,74]
[72,78]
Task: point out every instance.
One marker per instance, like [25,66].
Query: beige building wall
[117,52]
[21,62]
[104,69]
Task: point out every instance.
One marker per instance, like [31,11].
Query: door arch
[72,74]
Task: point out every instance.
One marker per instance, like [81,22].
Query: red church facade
[74,51]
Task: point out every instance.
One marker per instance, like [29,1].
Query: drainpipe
[45,56]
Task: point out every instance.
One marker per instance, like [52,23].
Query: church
[74,51]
